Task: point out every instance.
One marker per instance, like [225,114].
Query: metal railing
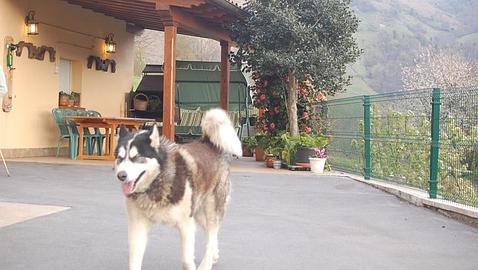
[426,139]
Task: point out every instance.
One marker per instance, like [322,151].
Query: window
[70,83]
[65,75]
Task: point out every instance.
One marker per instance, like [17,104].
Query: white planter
[277,164]
[317,165]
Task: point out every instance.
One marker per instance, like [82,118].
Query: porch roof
[202,18]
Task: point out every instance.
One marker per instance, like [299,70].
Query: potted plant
[307,146]
[75,96]
[274,148]
[317,160]
[299,148]
[269,160]
[63,98]
[277,164]
[262,141]
[249,144]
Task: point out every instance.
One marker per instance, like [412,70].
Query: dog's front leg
[138,229]
[187,230]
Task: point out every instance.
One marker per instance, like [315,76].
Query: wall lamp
[31,23]
[110,44]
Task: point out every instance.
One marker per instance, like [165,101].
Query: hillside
[391,31]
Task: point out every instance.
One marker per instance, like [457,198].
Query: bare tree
[148,50]
[449,70]
[444,68]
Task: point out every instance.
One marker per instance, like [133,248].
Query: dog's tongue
[128,187]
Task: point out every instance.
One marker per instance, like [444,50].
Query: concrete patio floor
[276,221]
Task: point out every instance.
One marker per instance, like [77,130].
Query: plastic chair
[64,127]
[97,138]
[68,130]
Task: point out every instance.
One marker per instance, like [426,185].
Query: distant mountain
[391,31]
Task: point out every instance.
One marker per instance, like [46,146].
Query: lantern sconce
[110,44]
[31,23]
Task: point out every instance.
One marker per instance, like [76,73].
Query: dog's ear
[123,131]
[154,136]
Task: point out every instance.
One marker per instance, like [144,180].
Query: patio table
[110,125]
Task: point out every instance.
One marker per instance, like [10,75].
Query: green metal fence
[426,139]
[342,122]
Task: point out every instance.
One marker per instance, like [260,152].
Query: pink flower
[308,129]
[320,96]
[262,97]
[305,114]
[273,125]
[320,153]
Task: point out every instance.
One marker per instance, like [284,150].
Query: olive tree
[298,41]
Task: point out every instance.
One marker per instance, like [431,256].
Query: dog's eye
[138,159]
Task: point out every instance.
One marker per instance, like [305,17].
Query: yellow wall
[35,83]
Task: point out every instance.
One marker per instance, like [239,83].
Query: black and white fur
[178,185]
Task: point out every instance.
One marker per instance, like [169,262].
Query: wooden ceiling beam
[131,18]
[165,5]
[193,24]
[129,4]
[193,17]
[126,8]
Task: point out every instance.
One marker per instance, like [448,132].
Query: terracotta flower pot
[63,100]
[259,154]
[269,162]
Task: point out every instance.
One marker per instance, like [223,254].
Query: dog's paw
[215,257]
[189,266]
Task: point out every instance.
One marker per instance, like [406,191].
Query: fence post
[367,137]
[435,144]
[324,112]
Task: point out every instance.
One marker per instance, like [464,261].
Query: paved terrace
[69,216]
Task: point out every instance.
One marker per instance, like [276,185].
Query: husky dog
[178,185]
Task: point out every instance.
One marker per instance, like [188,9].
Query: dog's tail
[217,127]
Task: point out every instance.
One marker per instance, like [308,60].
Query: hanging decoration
[101,64]
[35,52]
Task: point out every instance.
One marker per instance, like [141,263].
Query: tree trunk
[292,104]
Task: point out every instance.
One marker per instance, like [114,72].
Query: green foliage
[74,95]
[251,142]
[262,140]
[294,142]
[275,146]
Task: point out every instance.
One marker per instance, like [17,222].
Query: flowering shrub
[269,96]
